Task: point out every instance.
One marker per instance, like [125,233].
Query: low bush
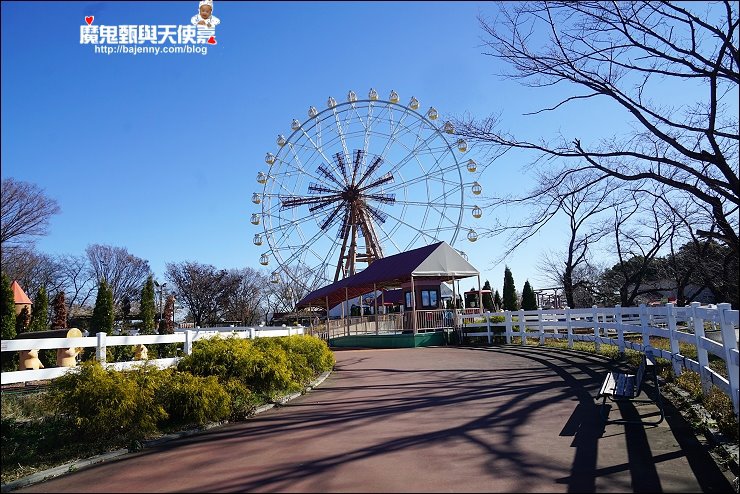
[307,356]
[243,402]
[102,402]
[262,367]
[719,405]
[190,399]
[690,381]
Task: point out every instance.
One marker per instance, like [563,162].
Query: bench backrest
[647,359]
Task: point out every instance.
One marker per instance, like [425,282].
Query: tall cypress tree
[7,310]
[103,316]
[147,308]
[22,320]
[529,300]
[497,301]
[59,306]
[167,325]
[487,298]
[9,361]
[40,311]
[510,302]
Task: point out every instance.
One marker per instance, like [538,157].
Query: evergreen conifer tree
[510,302]
[529,300]
[487,298]
[497,303]
[7,310]
[167,325]
[147,308]
[59,306]
[9,361]
[22,320]
[103,315]
[40,311]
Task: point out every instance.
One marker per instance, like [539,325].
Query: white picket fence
[101,341]
[610,325]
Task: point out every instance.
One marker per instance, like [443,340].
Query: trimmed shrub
[190,399]
[308,356]
[266,366]
[263,367]
[105,402]
[243,402]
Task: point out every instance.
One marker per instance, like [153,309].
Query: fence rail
[101,342]
[711,330]
[609,326]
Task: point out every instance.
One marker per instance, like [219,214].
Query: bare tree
[124,272]
[245,303]
[581,199]
[626,53]
[203,289]
[641,229]
[31,269]
[77,280]
[24,212]
[285,294]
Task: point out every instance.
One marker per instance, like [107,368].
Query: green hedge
[266,365]
[223,378]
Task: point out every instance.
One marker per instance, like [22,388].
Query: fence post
[488,326]
[509,324]
[620,329]
[729,342]
[188,342]
[539,326]
[701,352]
[522,327]
[644,326]
[100,349]
[569,327]
[597,342]
[675,349]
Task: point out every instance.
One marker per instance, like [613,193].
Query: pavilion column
[413,304]
[346,304]
[375,302]
[454,303]
[328,334]
[480,298]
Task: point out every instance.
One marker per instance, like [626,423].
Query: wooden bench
[620,386]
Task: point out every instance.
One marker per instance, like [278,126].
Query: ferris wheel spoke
[298,251]
[419,234]
[412,153]
[318,149]
[416,180]
[340,132]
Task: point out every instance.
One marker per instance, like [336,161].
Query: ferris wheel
[358,181]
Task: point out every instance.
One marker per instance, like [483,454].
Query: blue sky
[158,154]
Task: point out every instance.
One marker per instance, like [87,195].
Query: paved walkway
[504,419]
